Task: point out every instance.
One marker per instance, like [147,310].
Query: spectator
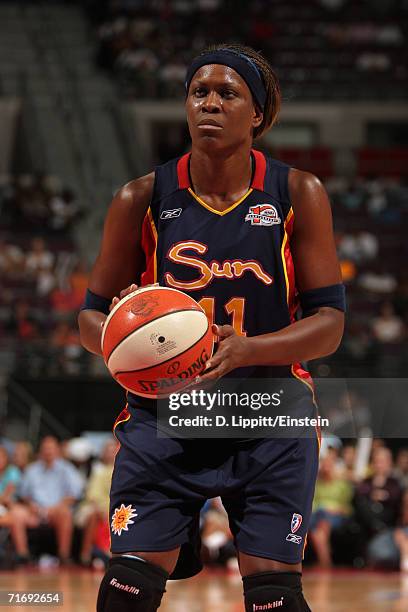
[95,507]
[39,257]
[401,535]
[359,246]
[22,324]
[378,281]
[9,479]
[347,463]
[49,488]
[79,452]
[331,506]
[378,503]
[216,535]
[353,197]
[22,454]
[388,328]
[39,266]
[66,348]
[79,282]
[389,549]
[11,260]
[11,513]
[64,210]
[401,468]
[368,246]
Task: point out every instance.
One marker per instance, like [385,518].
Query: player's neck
[222,176]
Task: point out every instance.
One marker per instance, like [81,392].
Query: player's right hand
[126,292]
[122,294]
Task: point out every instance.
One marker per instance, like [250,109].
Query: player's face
[220,108]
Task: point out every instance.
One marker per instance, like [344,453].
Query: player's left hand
[233,352]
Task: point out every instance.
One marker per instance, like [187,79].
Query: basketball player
[249,238]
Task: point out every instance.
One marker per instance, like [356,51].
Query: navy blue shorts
[159,486]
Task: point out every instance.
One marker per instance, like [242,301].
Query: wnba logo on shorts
[295,522]
[263,214]
[294,526]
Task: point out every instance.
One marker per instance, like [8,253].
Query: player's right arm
[120,261]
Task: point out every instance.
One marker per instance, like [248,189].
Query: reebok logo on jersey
[263,215]
[171,214]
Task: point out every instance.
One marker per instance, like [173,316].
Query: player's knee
[131,585]
[274,590]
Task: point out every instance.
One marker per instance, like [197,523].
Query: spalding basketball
[156,340]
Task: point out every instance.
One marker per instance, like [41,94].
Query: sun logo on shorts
[122,518]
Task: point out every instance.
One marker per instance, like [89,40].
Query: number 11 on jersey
[235,307]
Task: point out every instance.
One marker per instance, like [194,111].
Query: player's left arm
[316,265]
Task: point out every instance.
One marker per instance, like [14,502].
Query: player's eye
[200,92]
[227,93]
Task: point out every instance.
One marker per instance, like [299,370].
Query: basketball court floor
[337,591]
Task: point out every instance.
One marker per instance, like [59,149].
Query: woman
[12,514]
[185,226]
[331,506]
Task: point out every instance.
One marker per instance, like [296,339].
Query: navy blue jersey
[236,263]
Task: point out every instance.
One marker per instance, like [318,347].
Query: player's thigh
[269,518]
[153,507]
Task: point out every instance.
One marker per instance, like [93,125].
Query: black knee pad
[131,585]
[274,591]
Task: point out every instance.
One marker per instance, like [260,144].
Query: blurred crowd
[370,224]
[147,45]
[42,278]
[54,506]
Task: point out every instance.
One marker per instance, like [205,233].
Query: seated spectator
[377,503]
[346,466]
[66,348]
[331,506]
[64,210]
[401,535]
[39,266]
[49,489]
[378,281]
[401,468]
[388,328]
[11,513]
[39,257]
[79,282]
[22,454]
[11,260]
[22,323]
[95,507]
[389,548]
[9,478]
[78,451]
[216,535]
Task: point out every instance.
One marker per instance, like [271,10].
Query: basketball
[155,341]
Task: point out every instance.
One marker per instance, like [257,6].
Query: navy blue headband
[242,64]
